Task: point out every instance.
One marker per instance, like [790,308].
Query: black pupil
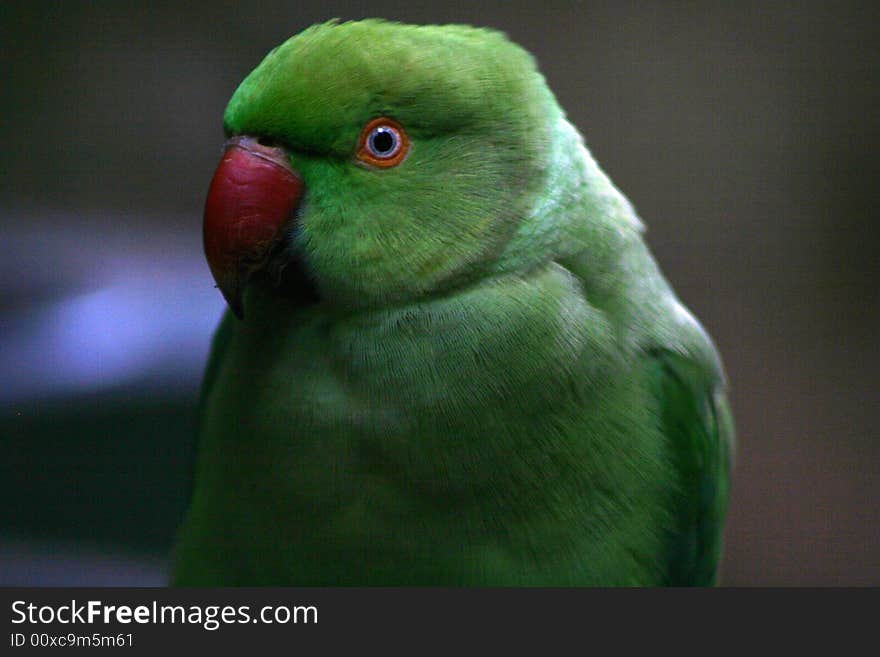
[382,141]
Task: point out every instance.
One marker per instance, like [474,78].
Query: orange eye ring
[383,143]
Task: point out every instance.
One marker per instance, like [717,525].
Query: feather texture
[496,385]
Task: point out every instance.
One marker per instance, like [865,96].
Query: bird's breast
[456,399]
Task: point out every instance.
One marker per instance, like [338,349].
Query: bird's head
[372,163]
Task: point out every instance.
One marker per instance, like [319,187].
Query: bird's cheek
[253,196]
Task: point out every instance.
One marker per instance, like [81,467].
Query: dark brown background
[745,133]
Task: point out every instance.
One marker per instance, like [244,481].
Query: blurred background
[745,134]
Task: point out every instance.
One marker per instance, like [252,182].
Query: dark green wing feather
[218,349]
[219,344]
[697,421]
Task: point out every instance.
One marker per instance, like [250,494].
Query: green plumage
[496,386]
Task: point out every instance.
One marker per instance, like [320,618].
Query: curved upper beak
[254,194]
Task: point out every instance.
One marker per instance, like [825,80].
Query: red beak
[254,194]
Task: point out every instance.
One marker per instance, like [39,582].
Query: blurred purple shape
[103,303]
[29,563]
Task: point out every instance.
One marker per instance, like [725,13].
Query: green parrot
[450,357]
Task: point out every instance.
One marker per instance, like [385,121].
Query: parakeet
[450,357]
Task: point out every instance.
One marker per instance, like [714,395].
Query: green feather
[496,387]
[697,421]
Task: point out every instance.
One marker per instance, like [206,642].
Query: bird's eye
[383,143]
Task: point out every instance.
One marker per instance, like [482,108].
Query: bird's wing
[219,345]
[696,419]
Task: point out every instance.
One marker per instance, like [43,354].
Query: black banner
[548,621]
